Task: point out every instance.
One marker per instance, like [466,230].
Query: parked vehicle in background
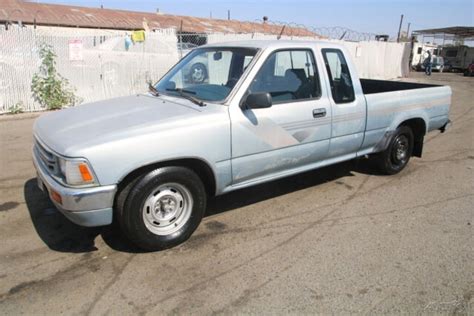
[447,66]
[106,61]
[196,72]
[460,57]
[185,48]
[437,64]
[420,52]
[268,109]
[16,60]
[470,70]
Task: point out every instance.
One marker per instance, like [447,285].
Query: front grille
[49,160]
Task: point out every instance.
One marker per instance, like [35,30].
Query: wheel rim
[400,150]
[167,209]
[198,74]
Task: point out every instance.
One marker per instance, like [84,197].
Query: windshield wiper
[182,93]
[153,90]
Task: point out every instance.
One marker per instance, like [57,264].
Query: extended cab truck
[269,109]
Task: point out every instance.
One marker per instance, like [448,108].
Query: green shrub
[16,109]
[49,88]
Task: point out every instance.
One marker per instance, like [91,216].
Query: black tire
[131,207]
[198,73]
[397,155]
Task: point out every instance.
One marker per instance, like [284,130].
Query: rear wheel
[162,208]
[398,153]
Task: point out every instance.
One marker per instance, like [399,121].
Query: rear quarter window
[342,89]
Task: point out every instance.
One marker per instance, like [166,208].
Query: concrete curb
[20,116]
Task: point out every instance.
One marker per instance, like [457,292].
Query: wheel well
[418,127]
[201,168]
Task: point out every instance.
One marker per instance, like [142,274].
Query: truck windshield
[207,74]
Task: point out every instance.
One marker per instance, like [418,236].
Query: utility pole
[400,29]
[408,30]
[228,14]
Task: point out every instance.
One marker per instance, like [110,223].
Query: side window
[339,76]
[288,75]
[420,50]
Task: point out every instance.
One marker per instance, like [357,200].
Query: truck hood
[106,120]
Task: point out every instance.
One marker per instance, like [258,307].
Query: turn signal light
[85,172]
[76,171]
[56,197]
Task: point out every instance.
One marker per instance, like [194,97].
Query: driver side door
[294,131]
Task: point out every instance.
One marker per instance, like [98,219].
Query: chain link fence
[101,64]
[257,29]
[97,63]
[276,30]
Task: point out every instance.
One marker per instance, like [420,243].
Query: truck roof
[275,44]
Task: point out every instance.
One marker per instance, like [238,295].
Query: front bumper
[90,206]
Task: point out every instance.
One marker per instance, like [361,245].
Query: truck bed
[389,103]
[371,86]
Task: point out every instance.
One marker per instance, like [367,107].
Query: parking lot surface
[342,239]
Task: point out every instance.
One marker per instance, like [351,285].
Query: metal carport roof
[461,32]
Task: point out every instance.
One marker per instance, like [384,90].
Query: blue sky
[374,16]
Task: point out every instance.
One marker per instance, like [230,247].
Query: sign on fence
[76,50]
[94,62]
[138,36]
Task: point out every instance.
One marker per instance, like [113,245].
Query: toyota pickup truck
[268,109]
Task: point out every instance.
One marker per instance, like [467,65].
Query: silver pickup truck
[266,110]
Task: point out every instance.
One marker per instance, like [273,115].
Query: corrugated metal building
[30,13]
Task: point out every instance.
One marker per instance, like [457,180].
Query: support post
[281,32]
[180,40]
[400,29]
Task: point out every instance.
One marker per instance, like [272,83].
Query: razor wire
[269,27]
[109,69]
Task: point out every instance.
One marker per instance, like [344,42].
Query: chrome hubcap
[167,209]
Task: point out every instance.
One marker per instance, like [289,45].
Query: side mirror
[170,85]
[259,100]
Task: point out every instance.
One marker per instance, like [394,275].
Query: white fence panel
[102,67]
[373,59]
[379,60]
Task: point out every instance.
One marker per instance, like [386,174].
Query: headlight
[76,172]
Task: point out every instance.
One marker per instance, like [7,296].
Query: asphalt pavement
[339,240]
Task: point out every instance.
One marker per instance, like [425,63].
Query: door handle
[319,112]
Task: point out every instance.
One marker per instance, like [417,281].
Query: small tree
[49,88]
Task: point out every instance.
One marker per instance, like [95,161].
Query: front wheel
[162,208]
[395,158]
